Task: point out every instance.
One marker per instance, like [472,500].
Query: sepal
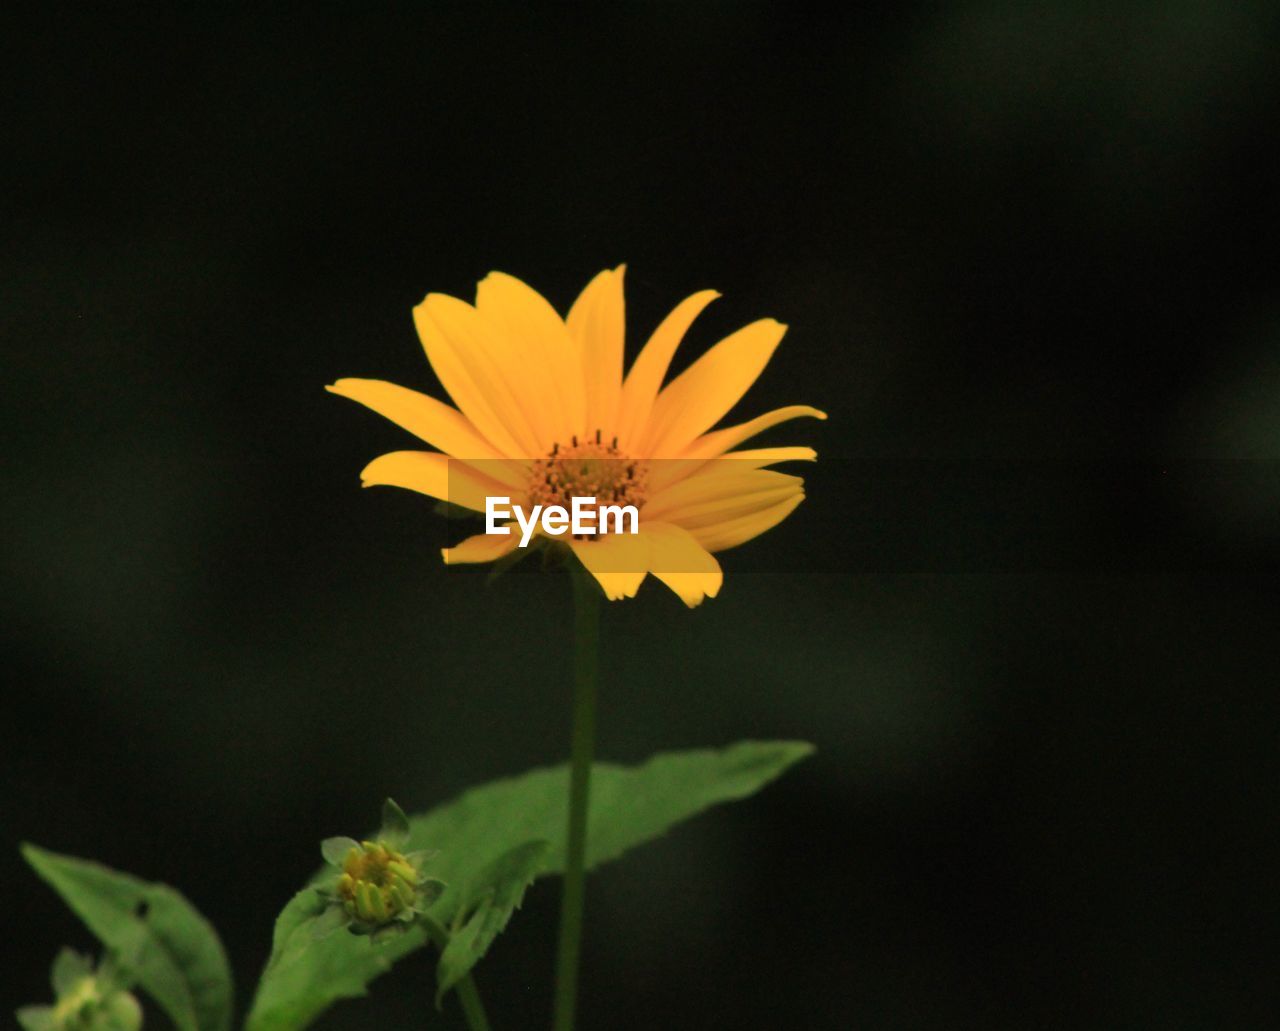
[395,825]
[335,850]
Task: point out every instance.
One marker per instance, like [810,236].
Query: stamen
[587,469]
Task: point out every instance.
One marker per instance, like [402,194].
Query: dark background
[1045,792]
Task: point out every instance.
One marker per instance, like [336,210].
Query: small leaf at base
[495,894]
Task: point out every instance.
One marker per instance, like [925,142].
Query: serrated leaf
[491,898]
[305,975]
[172,951]
[629,806]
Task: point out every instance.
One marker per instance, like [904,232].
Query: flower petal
[550,361]
[481,547]
[713,445]
[717,443]
[435,475]
[712,511]
[597,321]
[432,421]
[732,532]
[758,458]
[745,488]
[683,564]
[465,353]
[701,395]
[618,561]
[650,367]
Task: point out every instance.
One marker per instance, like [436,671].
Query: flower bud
[380,889]
[85,1000]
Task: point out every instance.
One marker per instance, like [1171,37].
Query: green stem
[468,993]
[586,663]
[472,1007]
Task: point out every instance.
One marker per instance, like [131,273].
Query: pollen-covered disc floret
[381,888]
[588,468]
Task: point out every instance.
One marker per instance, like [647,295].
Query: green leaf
[170,949]
[491,898]
[333,919]
[36,1018]
[629,806]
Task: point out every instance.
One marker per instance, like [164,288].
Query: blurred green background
[1045,792]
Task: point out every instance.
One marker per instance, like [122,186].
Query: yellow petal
[758,458]
[463,351]
[597,321]
[684,565]
[550,361]
[729,507]
[719,488]
[650,367]
[618,561]
[720,441]
[713,445]
[732,532]
[435,475]
[481,547]
[701,395]
[430,420]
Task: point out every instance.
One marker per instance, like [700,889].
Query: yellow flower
[544,413]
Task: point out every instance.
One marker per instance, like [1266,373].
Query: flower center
[588,468]
[377,882]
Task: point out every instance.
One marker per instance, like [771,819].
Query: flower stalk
[468,994]
[472,1007]
[586,667]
